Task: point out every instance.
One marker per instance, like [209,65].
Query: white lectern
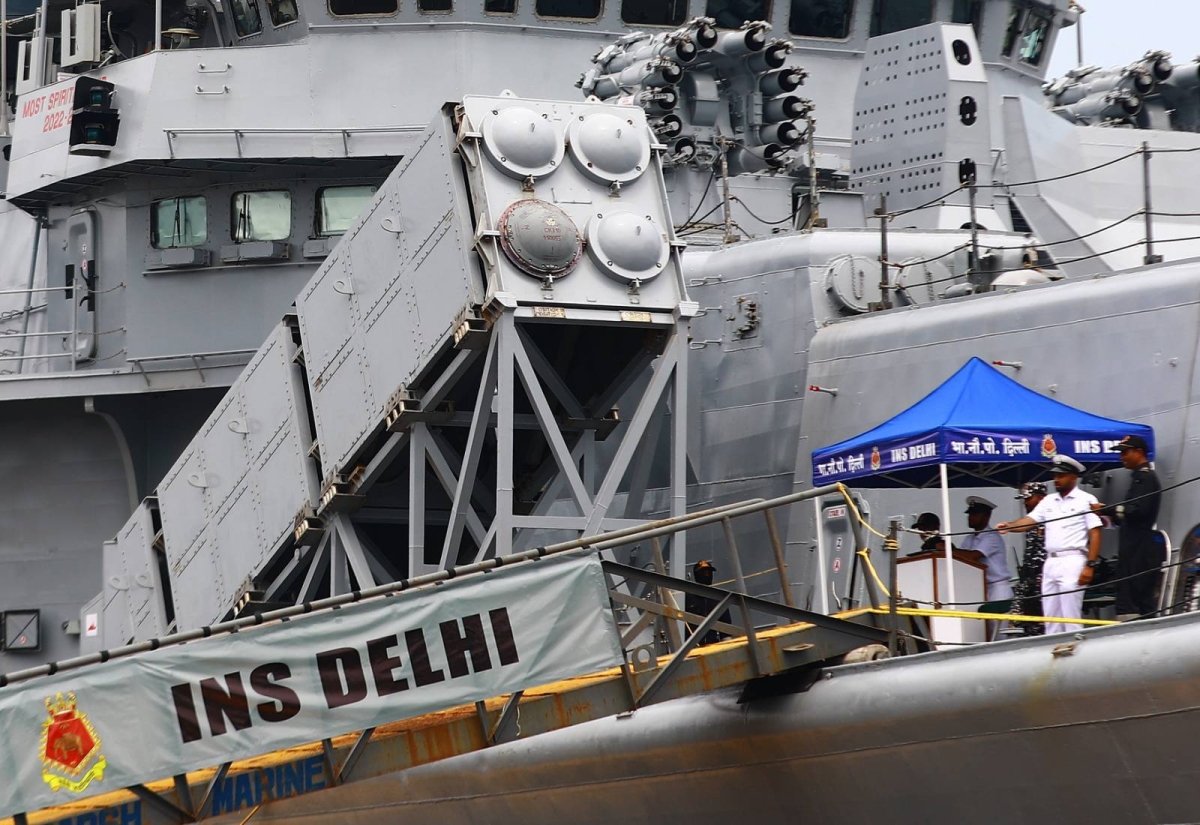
[923,578]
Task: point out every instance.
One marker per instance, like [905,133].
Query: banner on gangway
[180,708]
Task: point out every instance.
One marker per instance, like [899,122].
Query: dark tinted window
[435,5]
[500,6]
[246,18]
[352,8]
[578,9]
[283,11]
[654,12]
[896,15]
[968,11]
[821,18]
[1016,17]
[731,14]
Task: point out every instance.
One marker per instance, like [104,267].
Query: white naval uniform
[1066,554]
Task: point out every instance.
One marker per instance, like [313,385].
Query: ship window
[246,18]
[339,206]
[435,6]
[654,12]
[261,216]
[500,6]
[176,222]
[968,11]
[731,14]
[889,16]
[282,11]
[577,9]
[362,8]
[1033,41]
[821,18]
[1016,17]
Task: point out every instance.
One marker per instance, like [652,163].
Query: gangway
[766,661]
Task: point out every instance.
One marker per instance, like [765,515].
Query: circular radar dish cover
[627,246]
[608,148]
[522,142]
[539,238]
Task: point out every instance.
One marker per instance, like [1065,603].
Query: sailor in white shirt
[1072,544]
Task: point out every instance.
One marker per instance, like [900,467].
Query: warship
[374,372]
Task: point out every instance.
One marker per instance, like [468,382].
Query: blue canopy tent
[978,427]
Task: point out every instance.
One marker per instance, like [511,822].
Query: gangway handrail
[598,542]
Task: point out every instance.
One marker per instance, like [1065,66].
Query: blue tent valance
[986,426]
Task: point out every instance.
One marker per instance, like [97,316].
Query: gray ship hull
[1089,728]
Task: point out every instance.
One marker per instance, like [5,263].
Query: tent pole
[946,531]
[822,583]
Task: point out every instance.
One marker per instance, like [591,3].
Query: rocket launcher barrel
[780,82]
[772,57]
[787,107]
[742,42]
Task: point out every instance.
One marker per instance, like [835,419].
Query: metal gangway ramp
[765,660]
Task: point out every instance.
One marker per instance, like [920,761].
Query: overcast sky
[1116,32]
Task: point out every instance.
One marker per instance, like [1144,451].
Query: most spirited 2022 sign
[179,708]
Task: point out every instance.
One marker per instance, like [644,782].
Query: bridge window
[282,11]
[654,12]
[1016,18]
[574,9]
[338,206]
[731,14]
[821,18]
[500,6]
[1033,41]
[968,11]
[435,6]
[246,18]
[177,222]
[889,16]
[261,216]
[362,8]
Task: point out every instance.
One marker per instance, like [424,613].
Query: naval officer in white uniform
[1072,543]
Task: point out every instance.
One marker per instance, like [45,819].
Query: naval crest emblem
[1049,448]
[876,460]
[70,749]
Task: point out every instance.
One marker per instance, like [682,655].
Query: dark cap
[1063,464]
[1033,488]
[1131,442]
[927,520]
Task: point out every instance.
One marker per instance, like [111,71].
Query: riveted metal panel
[327,310]
[183,503]
[266,391]
[417,230]
[194,585]
[115,627]
[342,409]
[377,253]
[286,480]
[225,452]
[144,598]
[238,546]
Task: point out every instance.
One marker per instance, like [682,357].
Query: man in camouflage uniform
[1028,590]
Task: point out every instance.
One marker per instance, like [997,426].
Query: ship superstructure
[285,341]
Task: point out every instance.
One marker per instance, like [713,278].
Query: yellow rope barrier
[854,509]
[990,617]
